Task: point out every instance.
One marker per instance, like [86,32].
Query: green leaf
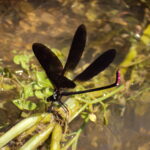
[22,60]
[42,79]
[47,92]
[27,91]
[57,52]
[24,105]
[37,87]
[39,94]
[92,117]
[7,87]
[146,36]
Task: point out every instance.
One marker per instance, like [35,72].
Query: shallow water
[111,24]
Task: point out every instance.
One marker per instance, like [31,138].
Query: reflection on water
[110,24]
[130,131]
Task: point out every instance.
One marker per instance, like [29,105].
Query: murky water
[110,24]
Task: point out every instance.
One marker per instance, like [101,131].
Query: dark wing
[48,60]
[76,50]
[52,66]
[97,66]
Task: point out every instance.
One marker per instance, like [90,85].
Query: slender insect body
[55,97]
[55,70]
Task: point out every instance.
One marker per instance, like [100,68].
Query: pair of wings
[54,69]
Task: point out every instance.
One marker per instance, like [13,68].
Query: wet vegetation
[120,115]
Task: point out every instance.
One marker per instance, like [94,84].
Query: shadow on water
[110,24]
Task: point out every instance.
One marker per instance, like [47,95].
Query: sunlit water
[110,25]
